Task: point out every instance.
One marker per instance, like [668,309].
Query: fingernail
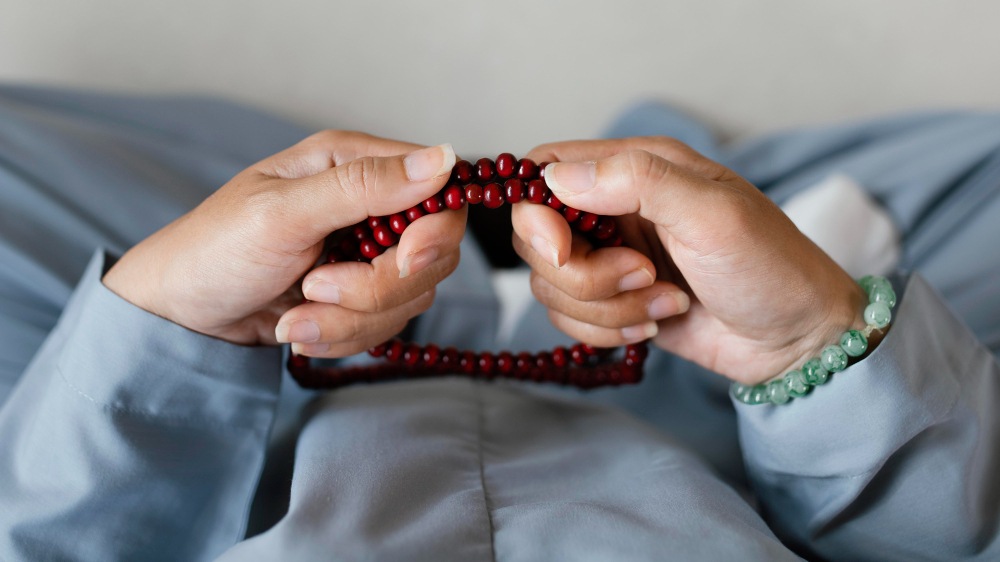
[571,177]
[416,261]
[546,248]
[668,305]
[310,348]
[299,331]
[429,162]
[321,291]
[640,332]
[636,280]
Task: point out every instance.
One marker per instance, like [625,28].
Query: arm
[139,429]
[897,456]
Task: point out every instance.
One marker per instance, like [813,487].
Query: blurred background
[501,76]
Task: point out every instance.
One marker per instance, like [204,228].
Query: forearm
[893,457]
[130,437]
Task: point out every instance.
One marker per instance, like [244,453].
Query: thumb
[367,187]
[635,181]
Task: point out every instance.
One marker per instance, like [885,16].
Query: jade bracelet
[833,358]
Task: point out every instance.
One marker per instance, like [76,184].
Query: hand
[713,270]
[233,267]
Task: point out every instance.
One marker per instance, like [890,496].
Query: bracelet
[833,358]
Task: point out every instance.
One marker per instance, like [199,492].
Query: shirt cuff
[851,424]
[126,359]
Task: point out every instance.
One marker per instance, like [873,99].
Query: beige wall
[506,75]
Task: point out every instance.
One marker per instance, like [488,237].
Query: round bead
[412,355]
[606,228]
[484,169]
[360,232]
[397,223]
[395,350]
[431,355]
[463,171]
[883,295]
[588,221]
[537,191]
[449,359]
[486,363]
[795,384]
[523,364]
[741,392]
[758,395]
[454,197]
[506,165]
[869,282]
[505,362]
[527,169]
[577,355]
[878,314]
[541,169]
[853,343]
[378,350]
[374,222]
[414,213]
[833,359]
[777,392]
[370,249]
[384,236]
[298,361]
[514,190]
[468,362]
[433,204]
[814,372]
[553,202]
[474,194]
[492,196]
[560,357]
[571,214]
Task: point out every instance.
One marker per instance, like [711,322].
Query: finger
[545,230]
[427,239]
[665,147]
[641,182]
[320,323]
[377,286]
[364,187]
[326,149]
[656,302]
[592,274]
[600,336]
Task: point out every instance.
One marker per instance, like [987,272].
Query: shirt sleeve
[895,457]
[129,437]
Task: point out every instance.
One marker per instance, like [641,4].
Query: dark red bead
[398,223]
[394,351]
[514,190]
[412,355]
[506,164]
[527,169]
[378,350]
[587,222]
[505,362]
[454,197]
[588,349]
[484,169]
[541,169]
[523,364]
[577,355]
[553,201]
[360,232]
[560,356]
[449,359]
[606,227]
[463,171]
[297,361]
[374,222]
[385,236]
[572,214]
[468,362]
[537,191]
[434,203]
[543,360]
[492,196]
[486,363]
[431,355]
[414,213]
[370,249]
[474,194]
[615,242]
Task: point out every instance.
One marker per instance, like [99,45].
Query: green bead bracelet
[834,358]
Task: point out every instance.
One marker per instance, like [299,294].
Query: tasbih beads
[492,184]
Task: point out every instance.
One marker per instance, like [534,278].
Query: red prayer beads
[492,183]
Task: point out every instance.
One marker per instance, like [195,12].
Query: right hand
[237,266]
